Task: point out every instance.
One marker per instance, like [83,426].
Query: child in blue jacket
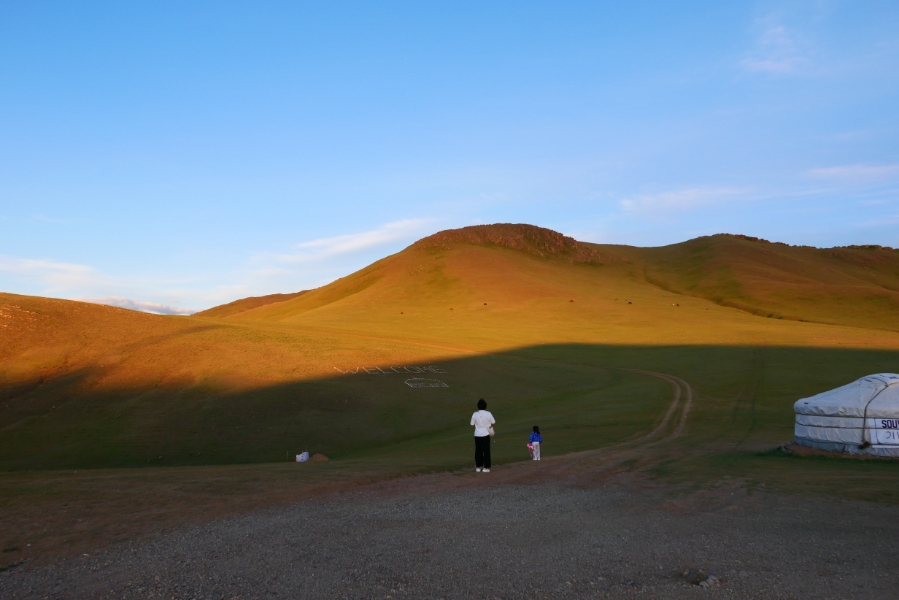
[534,443]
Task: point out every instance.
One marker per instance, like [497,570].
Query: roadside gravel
[467,536]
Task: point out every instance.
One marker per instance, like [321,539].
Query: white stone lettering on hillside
[390,370]
[421,382]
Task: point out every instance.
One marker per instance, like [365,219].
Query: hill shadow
[579,394]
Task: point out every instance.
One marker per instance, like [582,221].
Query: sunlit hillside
[856,285]
[538,323]
[245,304]
[515,265]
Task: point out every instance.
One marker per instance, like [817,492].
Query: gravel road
[474,536]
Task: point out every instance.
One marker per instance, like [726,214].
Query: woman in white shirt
[482,421]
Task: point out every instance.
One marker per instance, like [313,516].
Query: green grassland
[342,416]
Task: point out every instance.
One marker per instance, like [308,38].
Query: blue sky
[174,156]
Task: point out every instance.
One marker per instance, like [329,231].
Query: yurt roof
[878,393]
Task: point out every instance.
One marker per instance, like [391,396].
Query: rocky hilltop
[517,236]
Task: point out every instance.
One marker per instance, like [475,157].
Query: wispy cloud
[858,173]
[57,276]
[777,50]
[148,307]
[851,136]
[680,200]
[70,280]
[313,263]
[880,221]
[322,248]
[46,219]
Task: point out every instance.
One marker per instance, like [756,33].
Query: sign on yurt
[861,417]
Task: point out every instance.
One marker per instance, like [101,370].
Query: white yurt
[861,417]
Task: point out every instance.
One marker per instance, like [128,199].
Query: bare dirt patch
[470,535]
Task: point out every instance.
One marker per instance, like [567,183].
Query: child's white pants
[536,451]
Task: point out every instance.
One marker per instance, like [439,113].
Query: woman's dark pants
[482,451]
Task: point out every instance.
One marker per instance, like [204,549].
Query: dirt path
[682,389]
[600,463]
[677,410]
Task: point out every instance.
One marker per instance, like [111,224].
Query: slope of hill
[516,264]
[239,306]
[856,286]
[489,276]
[522,315]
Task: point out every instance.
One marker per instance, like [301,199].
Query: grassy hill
[535,322]
[857,285]
[244,304]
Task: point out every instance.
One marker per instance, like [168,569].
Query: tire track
[682,389]
[677,410]
[589,466]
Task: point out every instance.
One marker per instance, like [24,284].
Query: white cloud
[680,200]
[859,173]
[406,229]
[70,280]
[776,51]
[57,276]
[149,307]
